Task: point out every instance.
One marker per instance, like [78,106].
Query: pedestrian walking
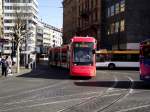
[9,62]
[4,65]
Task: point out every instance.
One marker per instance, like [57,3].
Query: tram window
[64,57]
[133,57]
[100,58]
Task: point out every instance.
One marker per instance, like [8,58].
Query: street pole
[118,38]
[35,59]
[26,53]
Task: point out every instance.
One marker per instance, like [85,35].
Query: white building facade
[1,19]
[29,10]
[52,37]
[39,38]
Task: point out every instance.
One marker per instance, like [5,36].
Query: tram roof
[83,39]
[63,48]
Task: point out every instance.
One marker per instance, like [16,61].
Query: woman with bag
[9,61]
[4,65]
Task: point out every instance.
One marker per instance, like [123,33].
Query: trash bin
[28,66]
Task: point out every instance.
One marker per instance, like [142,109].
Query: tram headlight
[92,72]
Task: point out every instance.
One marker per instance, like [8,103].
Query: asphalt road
[51,90]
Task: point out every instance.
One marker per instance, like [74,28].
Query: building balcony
[7,51]
[39,43]
[9,24]
[32,5]
[39,38]
[8,31]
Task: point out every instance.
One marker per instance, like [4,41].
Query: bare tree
[20,32]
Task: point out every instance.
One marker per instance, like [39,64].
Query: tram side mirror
[94,51]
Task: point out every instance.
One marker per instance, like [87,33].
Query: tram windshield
[82,54]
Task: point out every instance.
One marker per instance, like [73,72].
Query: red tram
[78,56]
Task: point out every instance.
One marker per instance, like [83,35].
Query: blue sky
[51,12]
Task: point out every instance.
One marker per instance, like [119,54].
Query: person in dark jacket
[4,65]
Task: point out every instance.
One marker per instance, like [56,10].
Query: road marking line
[133,108]
[131,90]
[125,72]
[115,94]
[140,91]
[113,86]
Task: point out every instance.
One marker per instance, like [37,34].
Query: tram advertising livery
[145,60]
[78,56]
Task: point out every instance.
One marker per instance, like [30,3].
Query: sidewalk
[23,70]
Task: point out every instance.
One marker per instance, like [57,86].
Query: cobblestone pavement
[48,89]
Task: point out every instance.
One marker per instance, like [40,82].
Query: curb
[22,71]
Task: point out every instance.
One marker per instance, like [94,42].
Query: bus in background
[145,60]
[78,56]
[117,59]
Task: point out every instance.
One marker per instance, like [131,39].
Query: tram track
[38,98]
[121,97]
[45,90]
[92,98]
[32,91]
[95,101]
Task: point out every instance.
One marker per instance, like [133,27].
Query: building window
[112,28]
[112,10]
[116,27]
[122,25]
[96,16]
[122,5]
[117,8]
[108,12]
[92,4]
[108,30]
